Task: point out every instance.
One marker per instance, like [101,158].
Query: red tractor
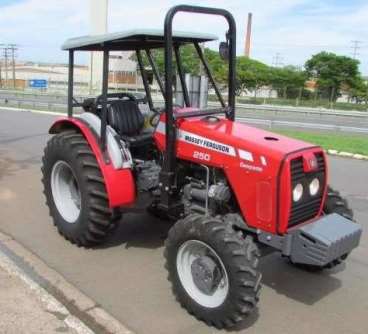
[233,191]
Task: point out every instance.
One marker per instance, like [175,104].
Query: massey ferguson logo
[206,143]
[313,163]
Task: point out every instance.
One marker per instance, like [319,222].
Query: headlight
[314,187]
[297,192]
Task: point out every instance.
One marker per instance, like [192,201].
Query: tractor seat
[127,120]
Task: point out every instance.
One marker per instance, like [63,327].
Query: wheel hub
[65,191]
[206,274]
[202,273]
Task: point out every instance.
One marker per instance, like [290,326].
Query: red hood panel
[243,136]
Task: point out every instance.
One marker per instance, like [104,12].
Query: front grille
[308,207]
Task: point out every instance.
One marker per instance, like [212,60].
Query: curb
[347,155]
[56,294]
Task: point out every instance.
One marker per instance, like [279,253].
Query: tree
[289,81]
[251,75]
[190,62]
[218,66]
[333,72]
[360,91]
[189,59]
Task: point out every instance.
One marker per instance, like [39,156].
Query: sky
[293,29]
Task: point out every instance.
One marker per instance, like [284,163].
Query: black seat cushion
[125,117]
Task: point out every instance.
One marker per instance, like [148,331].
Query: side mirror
[149,74]
[224,51]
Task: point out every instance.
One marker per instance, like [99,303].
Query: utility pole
[12,48]
[8,52]
[6,65]
[1,63]
[277,60]
[356,46]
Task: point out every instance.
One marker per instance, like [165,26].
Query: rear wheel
[75,190]
[213,270]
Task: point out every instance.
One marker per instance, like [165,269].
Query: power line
[9,52]
[13,48]
[277,60]
[356,46]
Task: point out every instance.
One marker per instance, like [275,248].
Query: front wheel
[213,270]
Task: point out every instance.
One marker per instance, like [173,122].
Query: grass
[357,144]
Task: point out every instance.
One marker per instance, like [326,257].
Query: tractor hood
[238,135]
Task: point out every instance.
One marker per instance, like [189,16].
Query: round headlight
[297,192]
[314,187]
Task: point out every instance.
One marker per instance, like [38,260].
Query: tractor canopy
[133,39]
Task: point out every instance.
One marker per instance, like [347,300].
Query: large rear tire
[75,190]
[213,270]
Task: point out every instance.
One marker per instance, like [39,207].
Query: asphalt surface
[126,275]
[313,119]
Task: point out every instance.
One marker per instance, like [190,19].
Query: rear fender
[119,183]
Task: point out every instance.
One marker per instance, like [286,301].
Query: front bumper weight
[317,243]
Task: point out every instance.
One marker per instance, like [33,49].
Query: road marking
[45,112]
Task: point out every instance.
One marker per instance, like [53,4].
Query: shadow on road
[300,285]
[248,322]
[146,231]
[143,231]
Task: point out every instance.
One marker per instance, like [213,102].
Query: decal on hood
[200,141]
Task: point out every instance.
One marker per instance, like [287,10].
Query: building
[123,74]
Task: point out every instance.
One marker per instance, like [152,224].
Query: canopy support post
[144,78]
[105,87]
[182,76]
[70,83]
[209,74]
[155,72]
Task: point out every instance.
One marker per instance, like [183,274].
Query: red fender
[119,183]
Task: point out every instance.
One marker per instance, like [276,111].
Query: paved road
[126,275]
[314,119]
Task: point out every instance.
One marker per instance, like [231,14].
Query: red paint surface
[243,179]
[120,186]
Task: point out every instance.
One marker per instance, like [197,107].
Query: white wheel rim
[188,252]
[65,191]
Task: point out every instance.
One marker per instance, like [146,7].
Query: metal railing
[57,103]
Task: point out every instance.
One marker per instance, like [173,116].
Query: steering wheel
[155,118]
[119,96]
